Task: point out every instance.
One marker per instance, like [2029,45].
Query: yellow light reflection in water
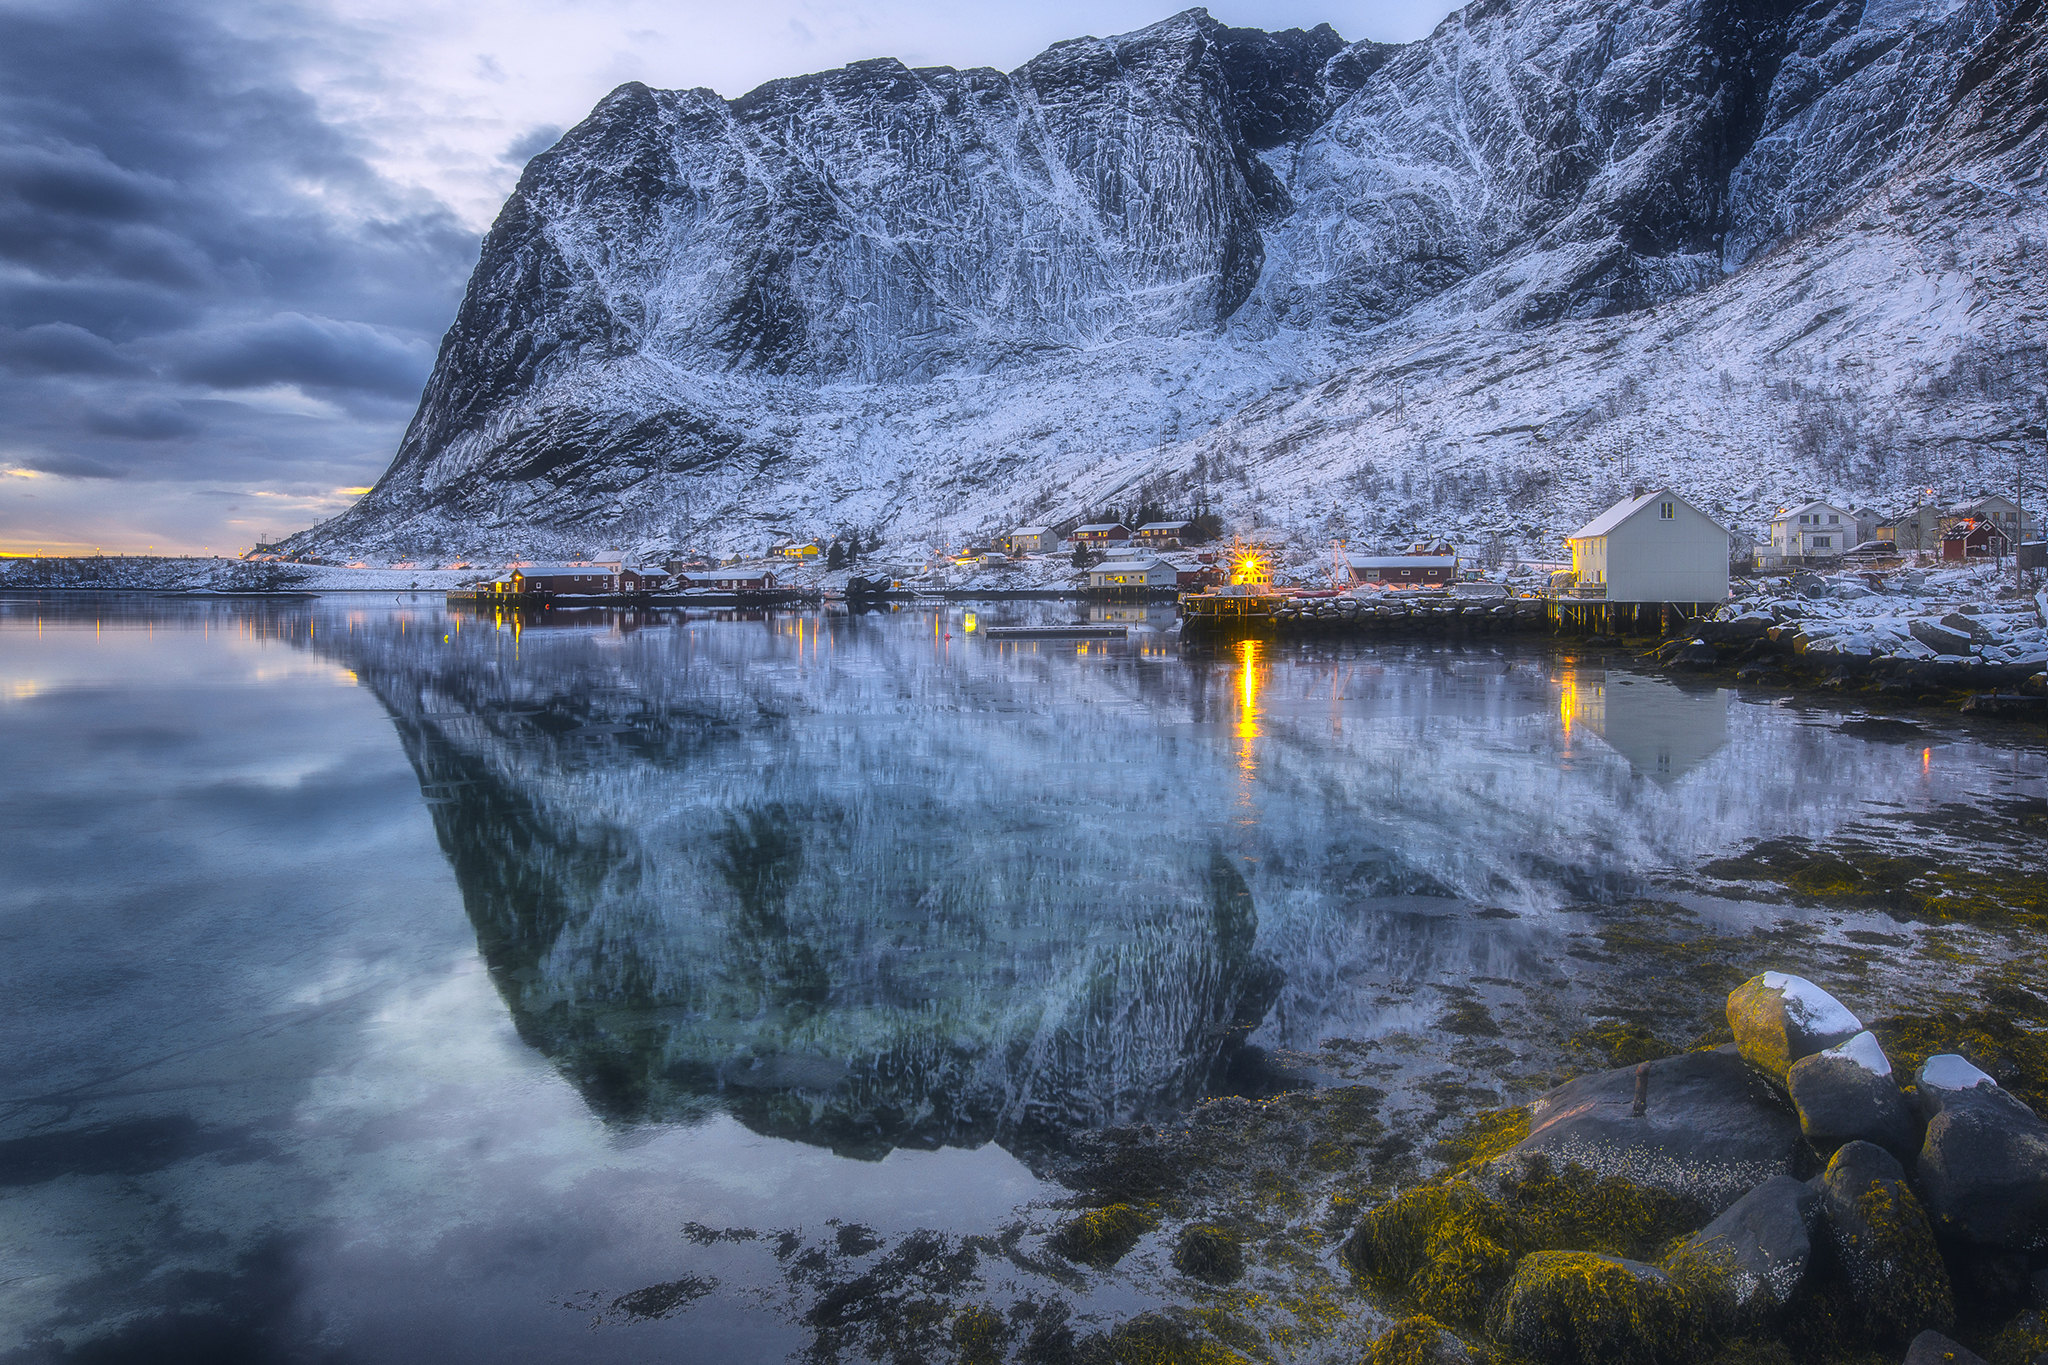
[1248,680]
[1568,702]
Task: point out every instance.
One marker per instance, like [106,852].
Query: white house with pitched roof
[1653,548]
[1814,530]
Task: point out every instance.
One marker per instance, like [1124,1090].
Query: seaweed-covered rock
[1984,1169]
[2024,1341]
[1932,1348]
[1779,1019]
[1847,1093]
[1585,1308]
[1210,1253]
[1759,1248]
[1447,1246]
[1712,1129]
[1880,1238]
[1101,1237]
[1420,1340]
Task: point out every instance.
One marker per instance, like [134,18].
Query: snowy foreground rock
[1480,285]
[1653,1213]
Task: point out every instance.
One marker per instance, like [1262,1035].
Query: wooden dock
[1074,632]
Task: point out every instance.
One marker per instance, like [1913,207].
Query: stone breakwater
[1410,612]
[1787,1192]
[1891,646]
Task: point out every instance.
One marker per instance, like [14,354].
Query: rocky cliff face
[1480,281]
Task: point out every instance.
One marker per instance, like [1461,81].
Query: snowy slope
[1482,283]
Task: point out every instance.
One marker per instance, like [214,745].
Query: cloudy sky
[233,231]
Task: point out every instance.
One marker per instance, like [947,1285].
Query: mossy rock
[1102,1237]
[1585,1308]
[1446,1246]
[1882,1243]
[1621,1043]
[1562,1206]
[981,1335]
[1449,1247]
[1421,1340]
[2024,1340]
[1207,1252]
[1156,1339]
[1483,1137]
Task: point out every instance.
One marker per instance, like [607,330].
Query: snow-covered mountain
[1482,284]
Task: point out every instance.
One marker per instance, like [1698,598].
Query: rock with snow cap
[1847,1093]
[1712,1128]
[1940,638]
[1943,1075]
[1984,1166]
[1778,1019]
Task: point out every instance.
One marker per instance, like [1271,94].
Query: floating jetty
[1074,632]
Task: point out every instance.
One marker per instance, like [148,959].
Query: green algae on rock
[1586,1308]
[1883,1246]
[1102,1237]
[1207,1252]
[1445,1245]
[1422,1340]
[1779,1019]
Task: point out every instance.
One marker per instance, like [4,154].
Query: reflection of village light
[970,623]
[1568,703]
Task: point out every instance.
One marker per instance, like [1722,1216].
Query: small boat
[1073,632]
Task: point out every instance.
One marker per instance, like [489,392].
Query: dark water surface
[381,985]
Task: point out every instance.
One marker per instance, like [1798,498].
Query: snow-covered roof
[1626,508]
[1806,507]
[1120,565]
[1101,526]
[1032,531]
[721,575]
[563,570]
[1166,526]
[1402,561]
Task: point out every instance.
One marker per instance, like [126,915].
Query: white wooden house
[1031,540]
[1813,530]
[1134,573]
[1655,548]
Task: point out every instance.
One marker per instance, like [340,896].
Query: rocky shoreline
[1782,1192]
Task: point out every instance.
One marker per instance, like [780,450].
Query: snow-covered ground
[1955,613]
[154,573]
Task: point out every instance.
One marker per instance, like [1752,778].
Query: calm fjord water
[384,985]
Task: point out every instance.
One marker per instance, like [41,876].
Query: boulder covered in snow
[1984,1166]
[1940,638]
[1778,1019]
[1847,1093]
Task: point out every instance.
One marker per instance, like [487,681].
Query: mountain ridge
[1336,289]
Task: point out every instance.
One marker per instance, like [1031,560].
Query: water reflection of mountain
[865,885]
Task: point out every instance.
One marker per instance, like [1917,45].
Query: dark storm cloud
[178,223]
[63,348]
[314,353]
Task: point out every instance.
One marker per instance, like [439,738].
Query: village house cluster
[1813,533]
[1654,548]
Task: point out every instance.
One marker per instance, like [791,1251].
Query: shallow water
[387,985]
